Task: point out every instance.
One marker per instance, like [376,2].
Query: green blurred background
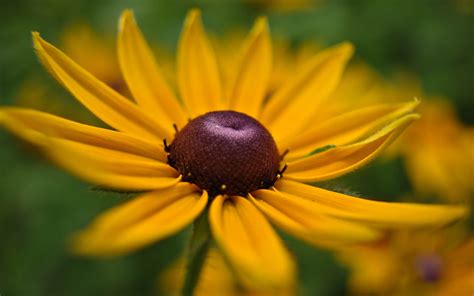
[40,206]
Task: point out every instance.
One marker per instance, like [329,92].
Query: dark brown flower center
[225,152]
[429,267]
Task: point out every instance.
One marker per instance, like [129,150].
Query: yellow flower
[33,93]
[458,271]
[215,279]
[464,6]
[362,86]
[439,153]
[93,52]
[438,163]
[286,60]
[413,263]
[224,149]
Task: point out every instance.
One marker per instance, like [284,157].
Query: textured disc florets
[225,152]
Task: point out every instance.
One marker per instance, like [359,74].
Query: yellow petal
[109,162]
[375,213]
[305,220]
[108,168]
[144,77]
[344,159]
[345,129]
[104,102]
[24,121]
[253,74]
[198,76]
[294,105]
[250,244]
[141,221]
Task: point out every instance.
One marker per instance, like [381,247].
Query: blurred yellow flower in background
[215,279]
[439,153]
[236,150]
[286,60]
[33,93]
[93,52]
[464,6]
[439,262]
[438,150]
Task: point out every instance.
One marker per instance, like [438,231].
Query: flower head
[425,263]
[215,279]
[196,150]
[225,149]
[442,168]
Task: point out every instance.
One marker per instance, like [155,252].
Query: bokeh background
[41,206]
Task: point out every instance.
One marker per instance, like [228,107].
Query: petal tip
[77,245]
[128,12]
[261,23]
[413,117]
[415,103]
[347,49]
[261,28]
[127,17]
[403,122]
[39,43]
[81,245]
[36,38]
[193,16]
[193,20]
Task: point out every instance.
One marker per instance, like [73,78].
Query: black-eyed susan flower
[98,58]
[413,263]
[438,164]
[444,167]
[215,279]
[243,156]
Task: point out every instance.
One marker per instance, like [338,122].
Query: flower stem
[197,252]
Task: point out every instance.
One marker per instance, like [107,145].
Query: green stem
[197,252]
